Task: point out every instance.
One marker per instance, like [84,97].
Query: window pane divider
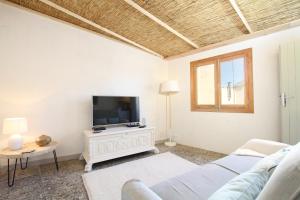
[247,107]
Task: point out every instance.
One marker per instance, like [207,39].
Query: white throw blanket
[106,184]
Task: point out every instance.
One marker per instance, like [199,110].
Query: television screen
[115,110]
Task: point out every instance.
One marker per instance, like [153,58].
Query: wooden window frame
[248,107]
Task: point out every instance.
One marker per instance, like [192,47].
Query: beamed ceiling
[168,28]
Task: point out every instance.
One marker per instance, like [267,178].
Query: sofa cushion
[248,185]
[244,187]
[205,180]
[197,184]
[285,181]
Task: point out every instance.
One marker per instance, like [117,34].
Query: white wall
[49,70]
[223,132]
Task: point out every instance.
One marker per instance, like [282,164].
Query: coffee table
[28,150]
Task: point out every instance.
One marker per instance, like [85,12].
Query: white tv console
[116,142]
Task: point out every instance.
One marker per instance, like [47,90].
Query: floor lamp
[169,88]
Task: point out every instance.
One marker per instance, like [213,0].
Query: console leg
[88,167]
[156,150]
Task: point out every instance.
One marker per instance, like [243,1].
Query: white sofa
[207,179]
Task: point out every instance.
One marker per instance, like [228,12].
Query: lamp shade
[14,126]
[169,87]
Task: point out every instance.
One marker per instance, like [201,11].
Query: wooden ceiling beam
[163,24]
[240,14]
[242,38]
[68,12]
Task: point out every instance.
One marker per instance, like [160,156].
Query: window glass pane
[233,82]
[206,85]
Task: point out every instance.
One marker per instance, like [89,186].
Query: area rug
[106,184]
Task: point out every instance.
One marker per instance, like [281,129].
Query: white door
[290,92]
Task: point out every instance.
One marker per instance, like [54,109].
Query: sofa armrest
[261,147]
[137,190]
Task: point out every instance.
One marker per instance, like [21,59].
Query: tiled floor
[44,182]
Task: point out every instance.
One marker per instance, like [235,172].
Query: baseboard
[60,159]
[160,141]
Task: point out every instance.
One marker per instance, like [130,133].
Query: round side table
[28,150]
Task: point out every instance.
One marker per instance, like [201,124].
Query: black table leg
[22,164]
[11,183]
[55,159]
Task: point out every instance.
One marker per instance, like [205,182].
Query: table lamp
[168,88]
[15,127]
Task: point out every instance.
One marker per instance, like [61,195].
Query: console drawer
[111,144]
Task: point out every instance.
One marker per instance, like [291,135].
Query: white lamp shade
[14,126]
[169,87]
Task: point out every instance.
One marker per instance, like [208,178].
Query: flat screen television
[112,110]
